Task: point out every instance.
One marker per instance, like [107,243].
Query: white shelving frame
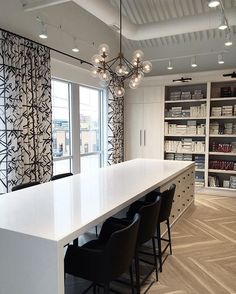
[210,101]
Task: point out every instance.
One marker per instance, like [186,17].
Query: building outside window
[61,126]
[90,128]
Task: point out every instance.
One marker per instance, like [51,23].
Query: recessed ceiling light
[213,3]
[223,25]
[220,59]
[228,41]
[170,66]
[193,61]
[43,34]
[75,47]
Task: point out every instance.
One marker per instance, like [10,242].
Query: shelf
[185,118]
[222,153]
[223,99]
[197,136]
[222,117]
[184,152]
[199,170]
[189,100]
[223,136]
[221,171]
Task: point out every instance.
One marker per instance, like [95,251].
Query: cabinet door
[153,130]
[133,130]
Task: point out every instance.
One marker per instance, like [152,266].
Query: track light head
[43,34]
[170,66]
[193,61]
[220,59]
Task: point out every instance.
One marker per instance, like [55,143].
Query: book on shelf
[185,95]
[197,94]
[175,95]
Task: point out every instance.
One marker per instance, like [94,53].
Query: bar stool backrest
[149,215]
[60,176]
[25,185]
[166,203]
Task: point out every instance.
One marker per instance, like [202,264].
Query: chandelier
[113,73]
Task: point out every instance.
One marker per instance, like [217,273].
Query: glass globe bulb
[120,70]
[104,50]
[134,62]
[94,72]
[146,66]
[138,55]
[133,84]
[119,91]
[136,78]
[96,59]
[104,75]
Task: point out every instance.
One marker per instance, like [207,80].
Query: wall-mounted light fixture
[75,47]
[170,65]
[220,59]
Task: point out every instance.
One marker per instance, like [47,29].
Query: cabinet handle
[140,138]
[144,137]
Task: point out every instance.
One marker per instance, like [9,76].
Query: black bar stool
[60,176]
[105,259]
[166,204]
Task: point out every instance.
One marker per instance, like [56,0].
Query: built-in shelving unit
[222,136]
[185,126]
[210,109]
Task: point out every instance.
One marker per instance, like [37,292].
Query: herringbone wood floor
[204,250]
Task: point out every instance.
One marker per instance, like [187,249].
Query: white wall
[72,73]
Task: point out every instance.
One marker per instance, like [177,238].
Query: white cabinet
[144,129]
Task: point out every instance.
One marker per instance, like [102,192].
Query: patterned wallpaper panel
[115,129]
[25,112]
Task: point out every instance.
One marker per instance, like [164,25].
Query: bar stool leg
[159,246]
[169,236]
[155,257]
[131,278]
[137,273]
[106,288]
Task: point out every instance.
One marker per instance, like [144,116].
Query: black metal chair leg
[159,246]
[137,273]
[131,278]
[106,288]
[168,226]
[155,257]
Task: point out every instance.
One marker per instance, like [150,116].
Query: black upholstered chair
[149,215]
[105,259]
[166,204]
[25,185]
[60,176]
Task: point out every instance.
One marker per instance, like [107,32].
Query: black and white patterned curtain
[25,112]
[115,129]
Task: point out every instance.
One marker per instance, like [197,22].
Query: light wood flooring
[204,251]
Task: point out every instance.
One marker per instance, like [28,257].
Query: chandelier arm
[129,65]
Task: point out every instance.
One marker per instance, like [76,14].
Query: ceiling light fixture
[223,25]
[43,34]
[220,59]
[228,41]
[114,72]
[213,3]
[193,61]
[75,47]
[170,66]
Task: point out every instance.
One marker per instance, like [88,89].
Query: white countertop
[65,208]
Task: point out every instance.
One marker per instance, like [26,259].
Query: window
[90,128]
[61,127]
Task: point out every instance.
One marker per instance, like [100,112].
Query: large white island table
[36,223]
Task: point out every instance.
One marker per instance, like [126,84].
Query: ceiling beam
[41,4]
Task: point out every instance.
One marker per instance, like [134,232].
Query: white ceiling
[205,44]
